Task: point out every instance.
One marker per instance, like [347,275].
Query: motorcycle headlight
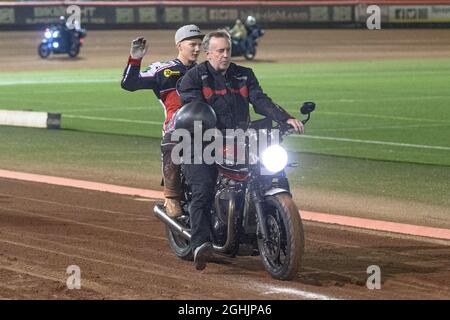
[274,158]
[55,34]
[48,34]
[55,45]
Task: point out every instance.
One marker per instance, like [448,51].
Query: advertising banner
[419,14]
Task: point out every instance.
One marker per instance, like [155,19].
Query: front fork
[257,199]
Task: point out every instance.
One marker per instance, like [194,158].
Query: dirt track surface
[122,252]
[109,49]
[121,247]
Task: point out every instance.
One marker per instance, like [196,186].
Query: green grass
[117,159]
[135,161]
[409,182]
[381,132]
[386,110]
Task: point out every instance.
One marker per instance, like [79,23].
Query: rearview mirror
[307,107]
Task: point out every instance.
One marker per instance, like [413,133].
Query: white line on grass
[108,109]
[382,127]
[367,99]
[159,123]
[386,143]
[396,144]
[342,74]
[398,98]
[45,103]
[55,81]
[365,115]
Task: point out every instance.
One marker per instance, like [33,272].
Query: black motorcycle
[253,211]
[246,47]
[61,41]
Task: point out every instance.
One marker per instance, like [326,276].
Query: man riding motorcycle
[253,31]
[239,34]
[67,35]
[228,89]
[61,38]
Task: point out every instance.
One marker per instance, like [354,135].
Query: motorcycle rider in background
[66,33]
[251,27]
[239,34]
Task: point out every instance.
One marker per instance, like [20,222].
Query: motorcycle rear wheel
[74,51]
[250,54]
[282,254]
[180,246]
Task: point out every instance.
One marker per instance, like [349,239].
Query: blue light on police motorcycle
[274,158]
[55,45]
[55,34]
[48,34]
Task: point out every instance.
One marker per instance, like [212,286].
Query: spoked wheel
[179,245]
[282,252]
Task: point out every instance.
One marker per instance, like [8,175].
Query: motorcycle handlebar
[286,128]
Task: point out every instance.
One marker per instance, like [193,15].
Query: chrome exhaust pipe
[230,231]
[171,223]
[186,234]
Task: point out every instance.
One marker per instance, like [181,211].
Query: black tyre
[74,51]
[43,50]
[250,54]
[179,245]
[282,254]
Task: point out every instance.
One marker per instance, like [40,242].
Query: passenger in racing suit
[162,77]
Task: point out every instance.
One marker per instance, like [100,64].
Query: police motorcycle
[253,211]
[246,47]
[58,40]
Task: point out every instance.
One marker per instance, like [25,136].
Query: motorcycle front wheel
[282,251]
[43,50]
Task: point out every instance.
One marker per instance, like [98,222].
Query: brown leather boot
[173,208]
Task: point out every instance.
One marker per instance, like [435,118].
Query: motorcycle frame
[252,194]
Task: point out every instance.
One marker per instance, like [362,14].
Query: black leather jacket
[229,94]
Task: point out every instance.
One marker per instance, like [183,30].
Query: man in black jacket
[162,77]
[228,89]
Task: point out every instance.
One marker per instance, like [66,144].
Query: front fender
[274,191]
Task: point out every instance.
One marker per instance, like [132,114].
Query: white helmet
[250,21]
